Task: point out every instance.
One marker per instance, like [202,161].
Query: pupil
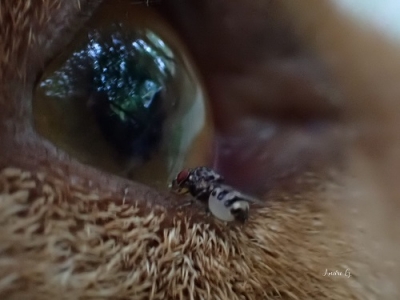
[126,96]
[131,133]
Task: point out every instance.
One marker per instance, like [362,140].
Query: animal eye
[123,97]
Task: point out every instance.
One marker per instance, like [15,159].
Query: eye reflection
[121,99]
[125,84]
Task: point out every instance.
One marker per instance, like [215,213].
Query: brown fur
[62,237]
[59,241]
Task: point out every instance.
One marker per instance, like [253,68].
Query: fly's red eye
[182,176]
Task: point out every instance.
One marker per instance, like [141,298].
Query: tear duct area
[276,109]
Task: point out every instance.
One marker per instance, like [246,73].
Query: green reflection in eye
[120,99]
[126,76]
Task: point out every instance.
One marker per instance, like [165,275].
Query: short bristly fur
[58,240]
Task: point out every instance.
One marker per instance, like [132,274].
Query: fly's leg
[202,195]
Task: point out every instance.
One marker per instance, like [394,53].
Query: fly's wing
[235,195]
[208,174]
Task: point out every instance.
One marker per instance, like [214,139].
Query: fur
[60,239]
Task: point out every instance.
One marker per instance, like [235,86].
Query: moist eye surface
[124,97]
